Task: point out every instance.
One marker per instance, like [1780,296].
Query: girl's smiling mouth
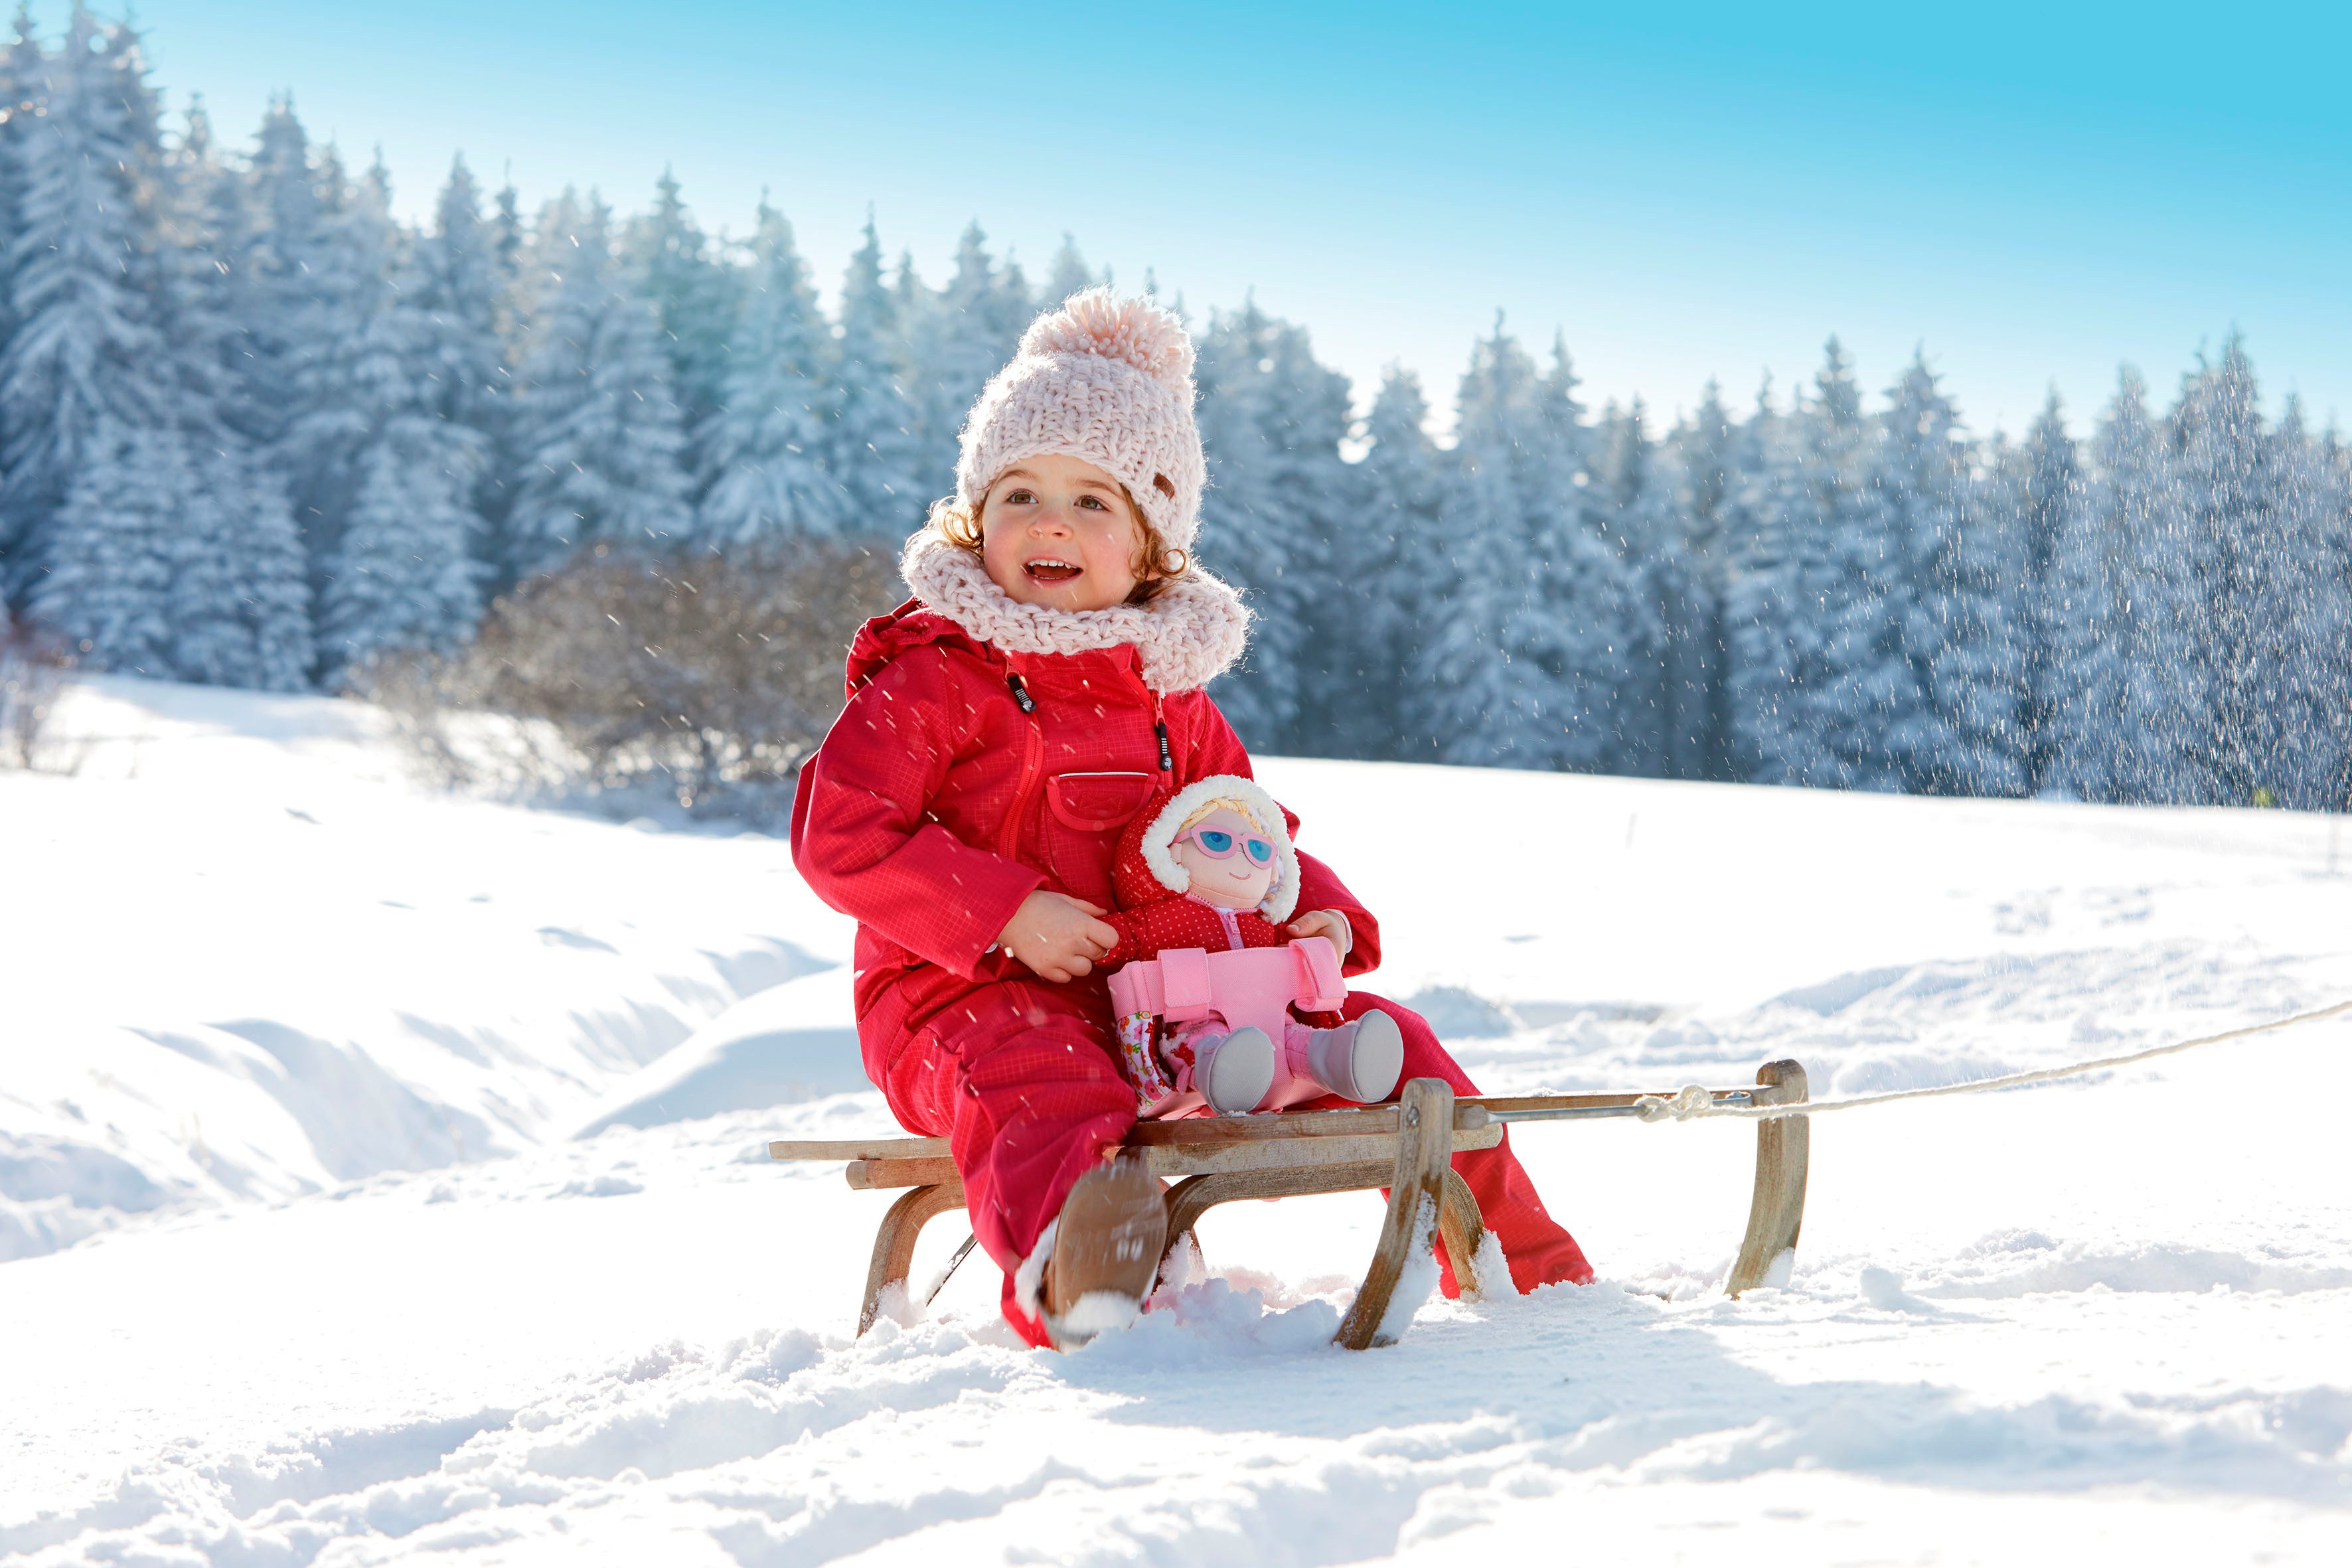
[1050,569]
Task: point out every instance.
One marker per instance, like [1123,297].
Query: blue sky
[2032,195]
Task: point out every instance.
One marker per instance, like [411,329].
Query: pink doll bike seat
[1242,987]
[1252,985]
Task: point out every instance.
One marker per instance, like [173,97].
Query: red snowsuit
[934,806]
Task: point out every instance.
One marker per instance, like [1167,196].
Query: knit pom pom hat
[1107,380]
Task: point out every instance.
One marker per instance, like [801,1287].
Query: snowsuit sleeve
[863,836]
[1217,749]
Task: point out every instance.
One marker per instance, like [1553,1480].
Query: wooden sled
[1407,1147]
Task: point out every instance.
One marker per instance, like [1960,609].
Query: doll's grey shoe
[1233,1071]
[1360,1061]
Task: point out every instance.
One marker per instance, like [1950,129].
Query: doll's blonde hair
[1209,808]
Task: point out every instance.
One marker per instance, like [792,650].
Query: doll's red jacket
[937,803]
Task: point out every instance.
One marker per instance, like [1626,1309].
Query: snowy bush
[32,665]
[702,680]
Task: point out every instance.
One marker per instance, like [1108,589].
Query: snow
[384,1176]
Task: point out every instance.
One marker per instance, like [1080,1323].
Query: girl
[1003,727]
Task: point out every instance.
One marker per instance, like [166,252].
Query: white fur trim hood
[1190,635]
[1159,838]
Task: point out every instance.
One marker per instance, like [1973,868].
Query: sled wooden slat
[1194,1160]
[1783,1149]
[861,1149]
[893,1246]
[1187,1132]
[1507,1104]
[1406,1147]
[1464,1229]
[1193,1196]
[872,1175]
[1416,1199]
[1284,1126]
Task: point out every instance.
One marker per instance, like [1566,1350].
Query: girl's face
[1059,533]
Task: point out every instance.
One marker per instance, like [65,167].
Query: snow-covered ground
[382,1177]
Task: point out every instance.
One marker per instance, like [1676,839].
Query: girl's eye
[1094,501]
[1018,498]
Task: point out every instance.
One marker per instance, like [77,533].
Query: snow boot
[1106,1247]
[1360,1061]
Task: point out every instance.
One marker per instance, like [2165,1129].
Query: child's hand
[1328,924]
[1057,935]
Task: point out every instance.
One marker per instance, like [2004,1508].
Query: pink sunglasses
[1219,845]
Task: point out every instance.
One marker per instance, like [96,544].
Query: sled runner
[1406,1147]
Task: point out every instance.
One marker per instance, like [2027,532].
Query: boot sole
[1378,1060]
[1113,1228]
[1241,1073]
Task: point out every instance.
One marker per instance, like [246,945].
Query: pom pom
[1136,330]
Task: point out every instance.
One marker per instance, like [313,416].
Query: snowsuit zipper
[1033,758]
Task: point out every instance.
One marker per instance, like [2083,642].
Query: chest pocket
[1085,813]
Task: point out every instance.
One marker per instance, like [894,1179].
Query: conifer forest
[256,431]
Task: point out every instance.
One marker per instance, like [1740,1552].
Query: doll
[1211,867]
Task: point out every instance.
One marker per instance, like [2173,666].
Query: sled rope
[1694,1103]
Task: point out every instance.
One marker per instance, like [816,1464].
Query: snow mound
[793,1042]
[334,1282]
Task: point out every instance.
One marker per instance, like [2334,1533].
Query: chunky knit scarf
[1187,637]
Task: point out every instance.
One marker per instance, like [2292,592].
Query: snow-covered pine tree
[1529,668]
[871,451]
[292,319]
[697,299]
[2140,740]
[2244,572]
[2066,586]
[456,284]
[1279,496]
[107,571]
[209,242]
[1867,711]
[595,426]
[239,604]
[1950,547]
[417,386]
[1772,637]
[460,281]
[345,372]
[2332,573]
[956,341]
[21,75]
[407,574]
[1702,449]
[2307,696]
[1401,571]
[240,600]
[88,348]
[1664,697]
[763,453]
[1573,504]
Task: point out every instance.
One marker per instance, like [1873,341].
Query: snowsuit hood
[1146,871]
[887,637]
